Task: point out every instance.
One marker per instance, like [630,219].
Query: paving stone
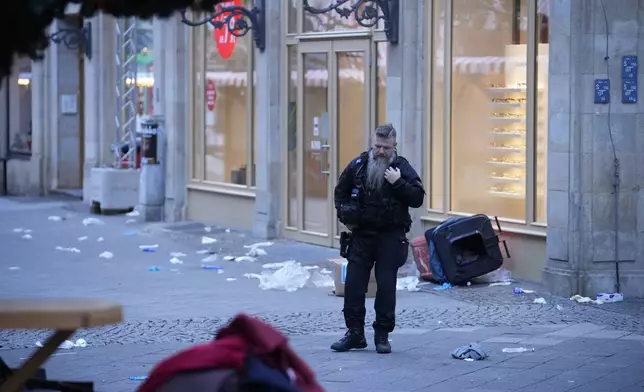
[542,341]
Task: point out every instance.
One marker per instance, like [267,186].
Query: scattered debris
[274,265]
[227,230]
[540,301]
[472,351]
[326,271]
[106,255]
[14,268]
[519,290]
[138,378]
[27,231]
[244,258]
[206,252]
[210,259]
[584,300]
[408,283]
[257,249]
[26,236]
[501,275]
[321,281]
[154,269]
[207,229]
[92,221]
[55,218]
[73,250]
[610,298]
[176,260]
[67,344]
[290,277]
[130,221]
[149,248]
[517,350]
[18,230]
[229,258]
[83,238]
[211,267]
[444,286]
[500,284]
[231,279]
[311,267]
[133,213]
[559,307]
[207,240]
[100,239]
[178,254]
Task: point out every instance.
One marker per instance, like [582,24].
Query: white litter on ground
[73,250]
[585,300]
[100,239]
[26,236]
[290,277]
[227,230]
[500,284]
[326,271]
[176,260]
[155,246]
[610,298]
[501,276]
[55,218]
[14,268]
[133,213]
[207,240]
[311,267]
[245,258]
[320,280]
[178,254]
[210,259]
[82,238]
[27,231]
[257,249]
[540,301]
[67,344]
[130,221]
[408,283]
[106,255]
[274,265]
[92,221]
[517,350]
[18,230]
[231,279]
[559,307]
[229,258]
[207,229]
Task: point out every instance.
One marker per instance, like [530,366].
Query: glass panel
[199,96]
[350,108]
[381,84]
[329,21]
[20,108]
[437,124]
[489,57]
[543,32]
[145,68]
[316,135]
[292,16]
[292,136]
[254,129]
[226,105]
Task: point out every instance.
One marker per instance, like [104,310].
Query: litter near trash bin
[517,350]
[106,255]
[133,213]
[176,260]
[408,283]
[138,378]
[92,221]
[472,351]
[290,277]
[507,283]
[148,248]
[444,286]
[540,301]
[610,298]
[321,281]
[72,250]
[207,240]
[154,269]
[55,218]
[210,259]
[257,249]
[585,300]
[519,290]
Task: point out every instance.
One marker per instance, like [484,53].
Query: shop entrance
[334,115]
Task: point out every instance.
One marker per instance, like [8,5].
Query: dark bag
[468,248]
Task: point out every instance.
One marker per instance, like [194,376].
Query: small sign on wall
[69,104]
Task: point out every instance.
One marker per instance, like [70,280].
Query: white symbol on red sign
[226,41]
[211,95]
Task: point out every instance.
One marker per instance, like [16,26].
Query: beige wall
[223,209]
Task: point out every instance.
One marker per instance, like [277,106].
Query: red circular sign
[225,41]
[211,95]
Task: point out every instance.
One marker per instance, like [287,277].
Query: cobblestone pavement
[182,304]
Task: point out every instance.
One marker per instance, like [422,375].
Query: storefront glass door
[333,128]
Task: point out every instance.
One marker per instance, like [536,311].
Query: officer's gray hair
[385,131]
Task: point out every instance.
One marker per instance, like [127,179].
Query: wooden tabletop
[58,314]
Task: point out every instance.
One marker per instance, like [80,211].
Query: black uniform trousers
[388,251]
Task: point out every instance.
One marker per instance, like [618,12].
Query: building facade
[493,101]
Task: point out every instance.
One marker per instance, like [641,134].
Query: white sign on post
[316,126]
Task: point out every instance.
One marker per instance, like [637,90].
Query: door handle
[323,157]
[327,146]
[326,172]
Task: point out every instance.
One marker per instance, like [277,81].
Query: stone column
[268,126]
[405,90]
[100,98]
[581,198]
[38,120]
[173,93]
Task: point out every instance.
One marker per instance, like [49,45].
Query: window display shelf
[507,149]
[509,195]
[508,119]
[518,180]
[508,134]
[507,104]
[506,164]
[507,89]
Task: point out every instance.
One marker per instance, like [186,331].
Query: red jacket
[228,351]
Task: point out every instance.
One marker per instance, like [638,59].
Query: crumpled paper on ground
[472,351]
[67,344]
[290,277]
[584,300]
[257,249]
[408,283]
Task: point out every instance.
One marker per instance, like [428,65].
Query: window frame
[197,66]
[529,225]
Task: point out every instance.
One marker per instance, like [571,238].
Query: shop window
[228,101]
[381,82]
[488,132]
[20,108]
[437,98]
[543,39]
[291,138]
[291,16]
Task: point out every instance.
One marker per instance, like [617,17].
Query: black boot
[353,339]
[381,339]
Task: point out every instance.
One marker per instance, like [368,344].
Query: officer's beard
[376,168]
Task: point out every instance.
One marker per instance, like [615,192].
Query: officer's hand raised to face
[392,175]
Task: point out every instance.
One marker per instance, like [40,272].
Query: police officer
[372,200]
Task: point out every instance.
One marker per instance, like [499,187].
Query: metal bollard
[152,183]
